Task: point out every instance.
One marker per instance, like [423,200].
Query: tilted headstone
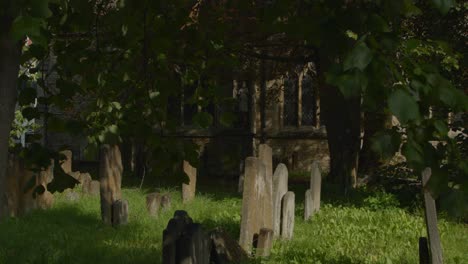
[315,185]
[165,202]
[110,171]
[435,247]
[265,242]
[280,187]
[225,249]
[153,203]
[120,213]
[67,163]
[185,241]
[308,205]
[188,190]
[257,211]
[287,221]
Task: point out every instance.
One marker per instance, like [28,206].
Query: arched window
[290,108]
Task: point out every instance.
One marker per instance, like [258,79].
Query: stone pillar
[287,221]
[257,211]
[315,185]
[188,190]
[110,171]
[153,203]
[280,187]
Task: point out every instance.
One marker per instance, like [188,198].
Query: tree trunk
[373,122]
[9,67]
[342,120]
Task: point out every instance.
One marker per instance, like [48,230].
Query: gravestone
[71,195]
[265,154]
[225,249]
[257,211]
[265,242]
[315,186]
[185,241]
[153,203]
[280,187]
[308,205]
[93,187]
[287,215]
[45,200]
[84,178]
[67,163]
[110,171]
[120,213]
[435,248]
[165,202]
[188,190]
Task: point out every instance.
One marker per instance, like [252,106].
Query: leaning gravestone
[185,241]
[188,190]
[315,186]
[67,163]
[120,213]
[435,247]
[110,171]
[280,187]
[257,211]
[287,215]
[308,205]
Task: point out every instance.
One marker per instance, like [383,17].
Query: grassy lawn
[375,230]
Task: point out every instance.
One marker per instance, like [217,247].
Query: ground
[369,228]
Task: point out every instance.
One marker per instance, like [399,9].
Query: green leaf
[26,26]
[443,6]
[414,154]
[386,143]
[227,118]
[349,84]
[203,119]
[359,57]
[40,8]
[377,23]
[403,106]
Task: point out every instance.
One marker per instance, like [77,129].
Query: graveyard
[231,132]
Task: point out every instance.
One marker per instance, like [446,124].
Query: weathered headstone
[315,185]
[110,171]
[71,195]
[45,200]
[265,242]
[185,241]
[120,213]
[84,178]
[265,154]
[280,187]
[93,187]
[165,202]
[240,186]
[225,249]
[153,203]
[67,163]
[435,247]
[308,205]
[188,190]
[257,202]
[287,215]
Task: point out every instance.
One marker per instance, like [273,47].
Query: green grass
[371,230]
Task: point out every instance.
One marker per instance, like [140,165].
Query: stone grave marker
[287,222]
[265,242]
[308,205]
[435,248]
[257,211]
[165,202]
[185,241]
[315,186]
[280,187]
[67,163]
[225,249]
[110,171]
[153,203]
[120,213]
[188,190]
[265,154]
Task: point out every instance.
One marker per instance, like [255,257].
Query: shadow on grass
[68,235]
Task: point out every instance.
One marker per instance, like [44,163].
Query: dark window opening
[309,104]
[290,102]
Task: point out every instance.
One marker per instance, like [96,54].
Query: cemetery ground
[368,226]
